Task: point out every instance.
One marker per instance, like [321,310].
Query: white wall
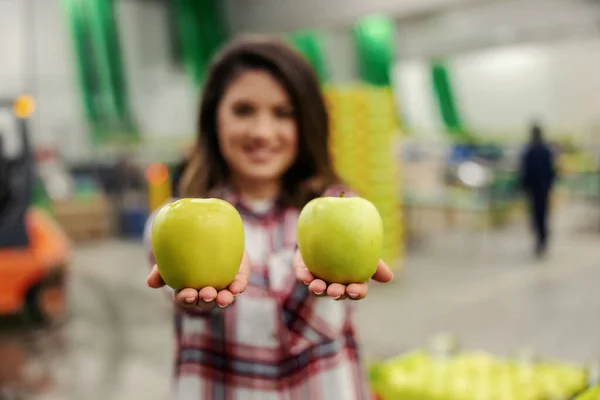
[162,97]
[11,47]
[503,90]
[575,94]
[339,53]
[483,24]
[414,93]
[58,120]
[511,61]
[500,91]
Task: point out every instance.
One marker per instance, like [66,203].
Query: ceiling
[427,27]
[275,16]
[498,22]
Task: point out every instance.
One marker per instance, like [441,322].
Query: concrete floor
[485,288]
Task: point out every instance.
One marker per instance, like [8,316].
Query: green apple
[340,238]
[198,243]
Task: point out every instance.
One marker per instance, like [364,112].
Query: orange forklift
[33,248]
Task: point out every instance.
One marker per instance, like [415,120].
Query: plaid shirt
[276,341]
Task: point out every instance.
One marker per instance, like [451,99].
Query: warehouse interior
[94,101]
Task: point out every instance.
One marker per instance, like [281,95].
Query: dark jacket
[537,169]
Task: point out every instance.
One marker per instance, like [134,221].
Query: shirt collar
[231,196]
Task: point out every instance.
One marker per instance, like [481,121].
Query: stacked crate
[364,131]
[85,220]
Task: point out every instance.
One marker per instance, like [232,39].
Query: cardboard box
[85,219]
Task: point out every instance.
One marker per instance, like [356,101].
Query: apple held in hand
[340,238]
[198,243]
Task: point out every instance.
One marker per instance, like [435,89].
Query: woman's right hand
[206,298]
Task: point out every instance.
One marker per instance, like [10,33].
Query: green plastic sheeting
[201,31]
[103,87]
[75,12]
[310,44]
[374,39]
[445,99]
[106,40]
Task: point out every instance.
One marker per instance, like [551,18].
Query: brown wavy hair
[312,171]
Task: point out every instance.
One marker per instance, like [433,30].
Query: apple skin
[340,238]
[198,243]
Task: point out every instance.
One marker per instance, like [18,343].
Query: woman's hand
[206,298]
[337,291]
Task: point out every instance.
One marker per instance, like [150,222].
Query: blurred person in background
[263,146]
[537,175]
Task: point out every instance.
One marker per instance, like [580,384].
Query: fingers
[207,294]
[336,291]
[383,273]
[240,282]
[205,299]
[225,298]
[354,291]
[154,279]
[357,291]
[304,276]
[237,286]
[302,273]
[186,298]
[208,297]
[318,287]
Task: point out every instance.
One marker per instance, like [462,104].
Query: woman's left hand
[337,291]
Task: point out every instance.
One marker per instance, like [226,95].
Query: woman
[262,146]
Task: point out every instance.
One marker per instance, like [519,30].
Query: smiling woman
[257,130]
[275,331]
[259,108]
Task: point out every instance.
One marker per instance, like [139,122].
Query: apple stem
[342,194]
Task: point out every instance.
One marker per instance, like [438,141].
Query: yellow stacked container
[364,131]
[159,185]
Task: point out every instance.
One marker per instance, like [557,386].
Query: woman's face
[257,128]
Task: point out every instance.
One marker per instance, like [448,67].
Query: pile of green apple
[473,376]
[200,242]
[590,394]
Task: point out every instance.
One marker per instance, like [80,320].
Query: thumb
[302,272]
[154,280]
[241,280]
[383,273]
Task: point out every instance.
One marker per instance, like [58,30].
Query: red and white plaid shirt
[276,341]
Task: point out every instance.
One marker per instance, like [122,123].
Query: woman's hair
[312,171]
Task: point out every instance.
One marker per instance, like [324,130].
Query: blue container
[133,222]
